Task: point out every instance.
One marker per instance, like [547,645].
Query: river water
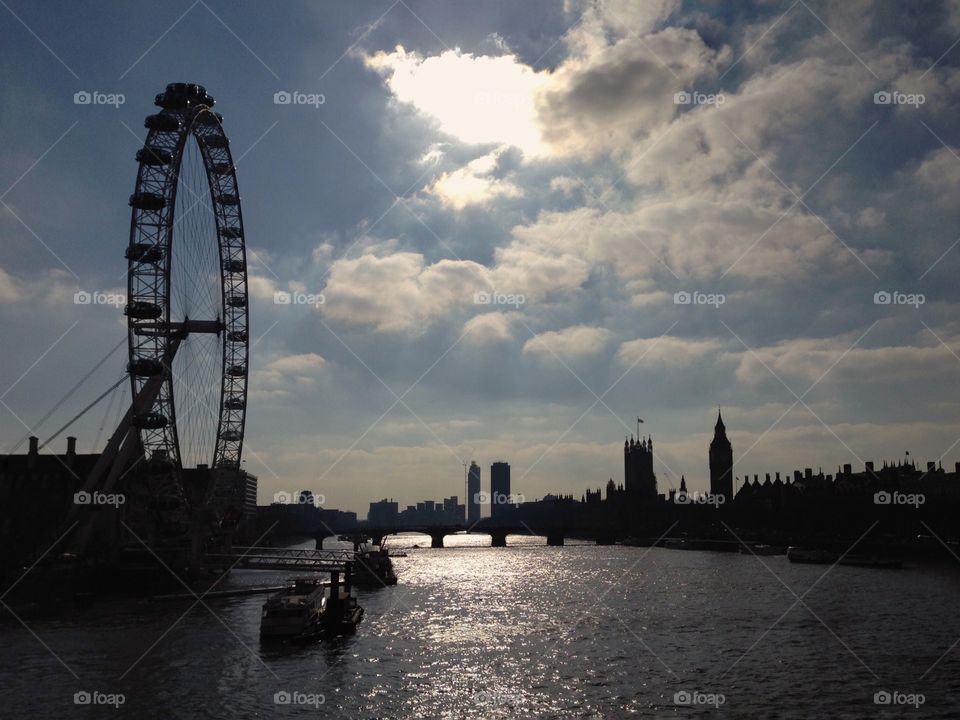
[525,631]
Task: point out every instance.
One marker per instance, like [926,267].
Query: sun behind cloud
[479,99]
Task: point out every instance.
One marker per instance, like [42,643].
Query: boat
[811,556]
[762,549]
[872,561]
[398,553]
[827,557]
[373,566]
[310,607]
[637,542]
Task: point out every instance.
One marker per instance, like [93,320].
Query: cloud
[801,362]
[666,351]
[489,328]
[620,94]
[474,183]
[302,364]
[570,343]
[398,292]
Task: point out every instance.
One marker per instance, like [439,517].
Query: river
[471,631]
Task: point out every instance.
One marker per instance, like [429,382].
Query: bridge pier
[605,538]
[436,540]
[498,539]
[555,539]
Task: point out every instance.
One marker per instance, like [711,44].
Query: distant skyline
[511,228]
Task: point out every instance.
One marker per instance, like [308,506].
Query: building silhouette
[383,512]
[499,488]
[639,480]
[473,492]
[721,462]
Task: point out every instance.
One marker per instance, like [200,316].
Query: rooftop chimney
[34,445]
[847,469]
[868,466]
[71,446]
[931,466]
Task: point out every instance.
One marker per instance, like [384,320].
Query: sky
[529,224]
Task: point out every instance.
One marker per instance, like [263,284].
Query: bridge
[498,532]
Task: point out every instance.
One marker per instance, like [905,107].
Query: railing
[263,558]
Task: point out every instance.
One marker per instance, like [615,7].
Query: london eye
[187,314]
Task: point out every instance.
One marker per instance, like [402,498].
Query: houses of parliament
[640,480]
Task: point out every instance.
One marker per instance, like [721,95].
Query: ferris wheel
[187,314]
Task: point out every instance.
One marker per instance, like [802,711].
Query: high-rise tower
[721,462]
[473,493]
[499,488]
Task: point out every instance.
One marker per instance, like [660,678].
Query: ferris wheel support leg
[89,522]
[119,451]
